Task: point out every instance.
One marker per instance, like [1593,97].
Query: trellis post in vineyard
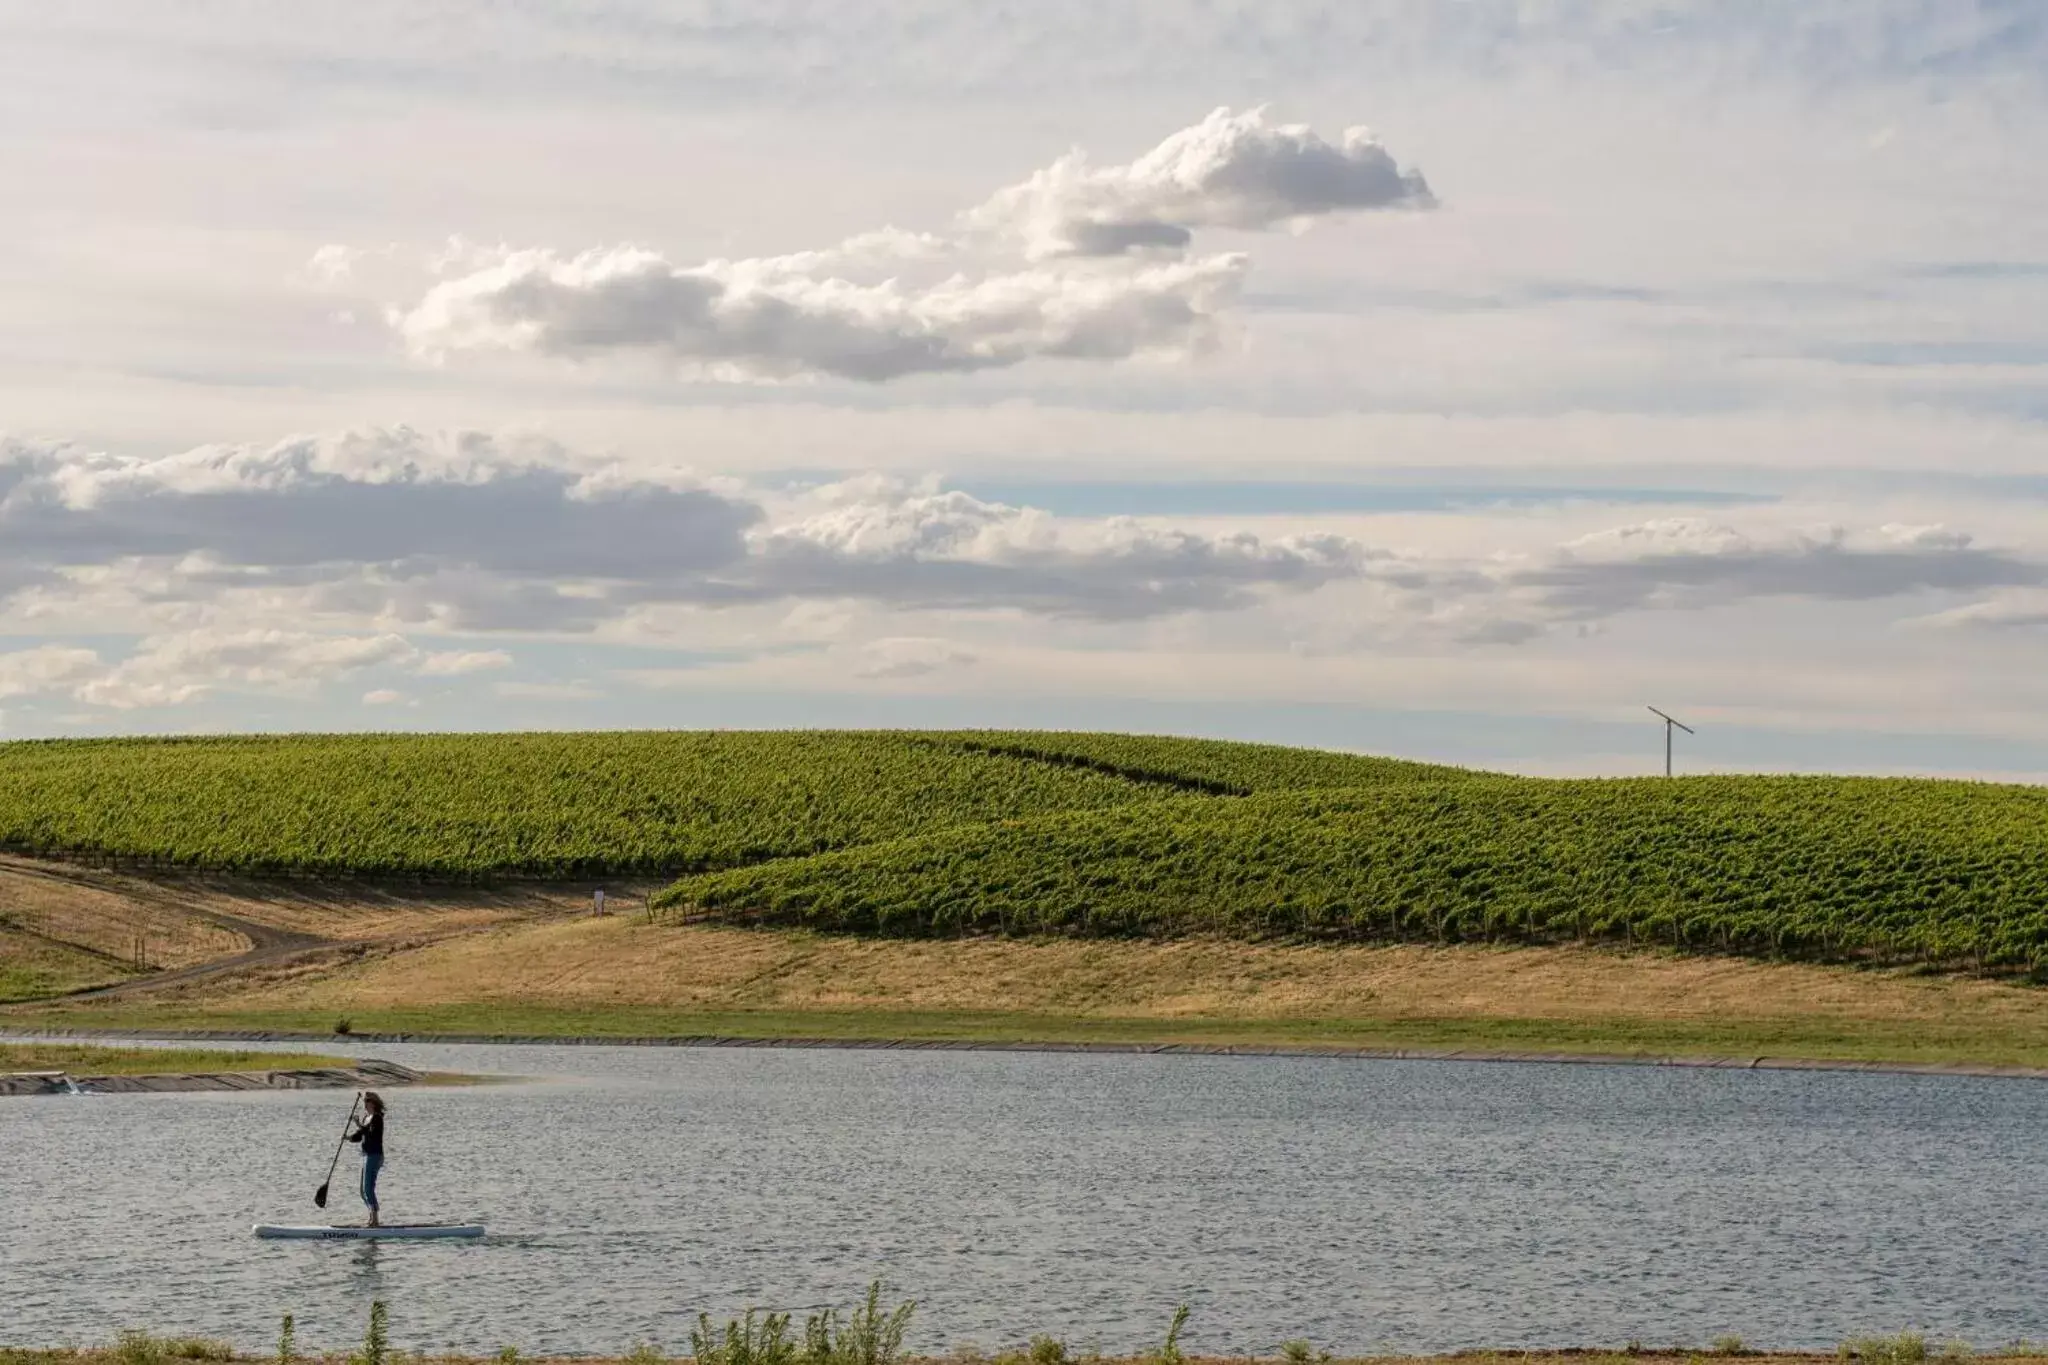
[1668,724]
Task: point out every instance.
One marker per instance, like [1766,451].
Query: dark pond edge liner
[1376,1054]
[362,1075]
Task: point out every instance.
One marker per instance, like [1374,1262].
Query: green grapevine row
[569,804]
[1945,872]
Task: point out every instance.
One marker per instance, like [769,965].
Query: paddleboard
[325,1232]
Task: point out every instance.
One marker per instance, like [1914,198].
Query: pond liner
[361,1076]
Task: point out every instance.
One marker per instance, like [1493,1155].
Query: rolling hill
[921,834]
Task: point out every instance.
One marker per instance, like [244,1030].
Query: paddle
[320,1195]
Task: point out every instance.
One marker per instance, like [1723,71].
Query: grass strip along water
[872,1335]
[1973,1045]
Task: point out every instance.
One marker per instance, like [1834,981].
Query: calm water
[1361,1204]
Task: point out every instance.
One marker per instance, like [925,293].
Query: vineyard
[1208,766]
[1943,872]
[972,832]
[481,806]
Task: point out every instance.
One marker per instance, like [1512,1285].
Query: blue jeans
[372,1164]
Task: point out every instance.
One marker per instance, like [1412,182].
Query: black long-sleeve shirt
[370,1132]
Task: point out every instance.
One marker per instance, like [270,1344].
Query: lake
[1362,1204]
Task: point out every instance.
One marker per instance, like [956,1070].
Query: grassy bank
[614,977]
[87,1059]
[1785,1039]
[32,967]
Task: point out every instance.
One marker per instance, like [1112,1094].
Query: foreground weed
[377,1340]
[1169,1350]
[1907,1348]
[744,1341]
[139,1348]
[1302,1351]
[1730,1345]
[287,1339]
[1047,1350]
[645,1354]
[870,1336]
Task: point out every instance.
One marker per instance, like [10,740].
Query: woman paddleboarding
[370,1133]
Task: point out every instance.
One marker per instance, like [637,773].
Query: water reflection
[368,1280]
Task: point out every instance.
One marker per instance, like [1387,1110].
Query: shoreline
[1645,1355]
[364,1075]
[1866,1350]
[1275,1050]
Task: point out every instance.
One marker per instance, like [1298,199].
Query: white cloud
[738,320]
[424,526]
[333,263]
[282,570]
[383,696]
[905,656]
[824,313]
[458,532]
[898,544]
[2007,611]
[24,672]
[401,531]
[170,670]
[455,663]
[1229,170]
[1689,562]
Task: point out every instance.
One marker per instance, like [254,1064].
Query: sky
[1445,378]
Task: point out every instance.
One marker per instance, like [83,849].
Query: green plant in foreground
[1301,1351]
[1730,1345]
[645,1354]
[140,1348]
[870,1337]
[1907,1348]
[744,1341]
[1169,1350]
[1047,1350]
[287,1337]
[376,1340]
